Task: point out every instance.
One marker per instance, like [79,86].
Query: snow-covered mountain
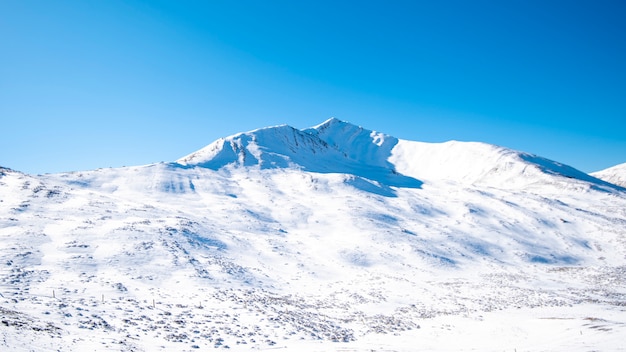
[327,238]
[339,147]
[332,147]
[615,175]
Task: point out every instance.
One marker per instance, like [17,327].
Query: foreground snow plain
[334,238]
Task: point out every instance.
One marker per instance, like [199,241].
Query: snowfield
[332,238]
[615,175]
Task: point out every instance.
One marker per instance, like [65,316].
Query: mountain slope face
[615,175]
[300,238]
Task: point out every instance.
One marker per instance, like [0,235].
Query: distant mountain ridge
[336,146]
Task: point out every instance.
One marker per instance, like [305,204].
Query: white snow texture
[331,238]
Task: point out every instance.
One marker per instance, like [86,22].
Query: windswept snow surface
[329,238]
[615,175]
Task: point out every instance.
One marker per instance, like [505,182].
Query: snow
[329,238]
[615,175]
[485,164]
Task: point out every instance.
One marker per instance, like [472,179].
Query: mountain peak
[334,126]
[333,141]
[333,121]
[334,146]
[359,144]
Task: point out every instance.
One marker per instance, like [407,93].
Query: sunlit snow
[328,238]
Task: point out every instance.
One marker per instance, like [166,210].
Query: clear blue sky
[88,84]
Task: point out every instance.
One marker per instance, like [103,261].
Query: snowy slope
[340,147]
[615,175]
[488,165]
[329,238]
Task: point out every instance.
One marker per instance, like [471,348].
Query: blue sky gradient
[89,84]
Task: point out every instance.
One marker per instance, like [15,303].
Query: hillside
[615,175]
[325,238]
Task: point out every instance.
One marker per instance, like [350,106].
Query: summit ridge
[336,146]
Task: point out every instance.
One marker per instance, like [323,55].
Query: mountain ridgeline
[339,147]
